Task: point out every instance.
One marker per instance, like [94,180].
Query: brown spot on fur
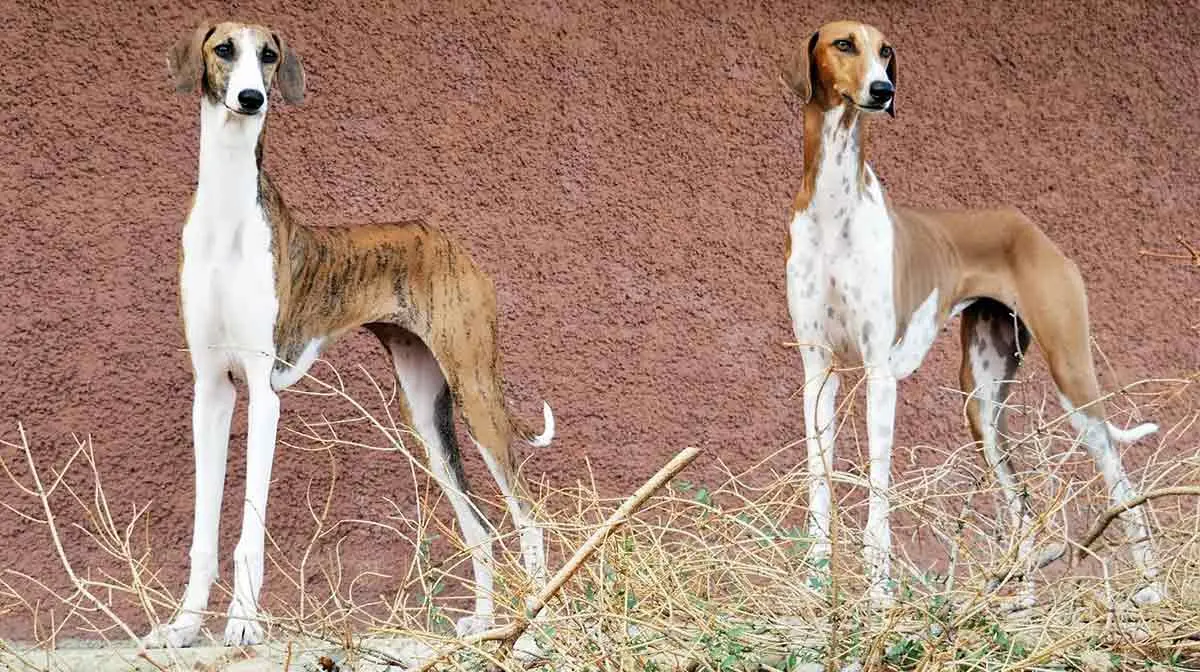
[812,158]
[982,322]
[963,254]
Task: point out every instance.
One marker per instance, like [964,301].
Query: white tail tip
[1131,435]
[542,440]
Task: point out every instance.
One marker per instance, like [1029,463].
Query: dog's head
[234,64]
[845,63]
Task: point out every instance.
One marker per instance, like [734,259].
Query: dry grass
[708,576]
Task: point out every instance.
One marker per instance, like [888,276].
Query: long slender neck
[230,159]
[835,168]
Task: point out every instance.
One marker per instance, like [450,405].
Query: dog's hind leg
[993,342]
[473,368]
[1053,302]
[431,410]
[491,428]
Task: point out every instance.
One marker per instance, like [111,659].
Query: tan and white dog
[262,295]
[871,283]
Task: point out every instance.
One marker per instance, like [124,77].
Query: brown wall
[624,170]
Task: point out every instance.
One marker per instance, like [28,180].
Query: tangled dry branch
[683,575]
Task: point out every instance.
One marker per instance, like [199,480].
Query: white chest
[228,285]
[840,270]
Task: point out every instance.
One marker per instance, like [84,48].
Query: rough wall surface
[623,169]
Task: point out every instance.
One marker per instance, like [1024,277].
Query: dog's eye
[885,52]
[269,56]
[844,45]
[223,50]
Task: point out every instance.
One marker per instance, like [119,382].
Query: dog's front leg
[243,627]
[877,540]
[820,402]
[212,410]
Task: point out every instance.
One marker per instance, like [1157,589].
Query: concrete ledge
[303,656]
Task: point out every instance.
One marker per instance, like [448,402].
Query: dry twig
[509,634]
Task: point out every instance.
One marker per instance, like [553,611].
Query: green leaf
[631,600]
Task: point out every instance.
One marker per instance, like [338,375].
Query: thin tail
[1131,435]
[540,440]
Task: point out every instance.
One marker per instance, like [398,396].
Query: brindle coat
[246,259]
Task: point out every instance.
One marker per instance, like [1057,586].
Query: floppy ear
[290,74]
[891,75]
[799,71]
[185,60]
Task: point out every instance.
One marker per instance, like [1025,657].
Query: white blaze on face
[875,71]
[247,72]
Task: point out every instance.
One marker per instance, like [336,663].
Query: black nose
[251,100]
[881,91]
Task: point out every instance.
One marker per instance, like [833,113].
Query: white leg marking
[423,383]
[881,412]
[533,551]
[242,627]
[1095,435]
[988,367]
[212,411]
[820,404]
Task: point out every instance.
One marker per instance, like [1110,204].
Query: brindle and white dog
[263,295]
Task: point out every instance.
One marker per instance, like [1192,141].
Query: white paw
[1018,608]
[881,598]
[1151,594]
[242,629]
[472,625]
[404,653]
[184,632]
[526,649]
